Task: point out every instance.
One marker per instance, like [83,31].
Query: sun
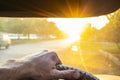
[74,26]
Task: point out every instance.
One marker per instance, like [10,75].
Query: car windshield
[91,44]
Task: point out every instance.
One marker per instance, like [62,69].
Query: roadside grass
[108,46]
[24,41]
[88,57]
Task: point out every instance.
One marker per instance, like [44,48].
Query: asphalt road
[21,50]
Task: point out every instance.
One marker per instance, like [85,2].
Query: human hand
[42,66]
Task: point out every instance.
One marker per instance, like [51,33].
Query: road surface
[18,51]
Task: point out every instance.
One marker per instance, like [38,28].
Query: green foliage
[39,26]
[89,33]
[110,32]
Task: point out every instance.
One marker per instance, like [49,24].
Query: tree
[89,33]
[112,29]
[2,23]
[114,22]
[27,26]
[1,28]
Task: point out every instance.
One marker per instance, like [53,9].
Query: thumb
[65,74]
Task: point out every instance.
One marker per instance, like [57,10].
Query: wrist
[9,74]
[14,71]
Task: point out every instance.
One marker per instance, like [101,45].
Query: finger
[65,74]
[55,58]
[52,58]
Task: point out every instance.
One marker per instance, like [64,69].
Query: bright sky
[74,26]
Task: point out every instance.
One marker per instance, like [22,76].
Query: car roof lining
[57,8]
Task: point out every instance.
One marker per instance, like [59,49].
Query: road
[18,51]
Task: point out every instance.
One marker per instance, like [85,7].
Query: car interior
[94,49]
[56,8]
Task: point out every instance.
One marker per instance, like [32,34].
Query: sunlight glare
[74,26]
[74,48]
[99,22]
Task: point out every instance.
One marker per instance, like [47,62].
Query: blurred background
[92,44]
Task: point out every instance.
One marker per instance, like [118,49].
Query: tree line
[27,26]
[109,33]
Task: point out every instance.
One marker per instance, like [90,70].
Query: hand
[42,66]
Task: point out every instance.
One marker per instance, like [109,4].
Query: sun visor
[57,8]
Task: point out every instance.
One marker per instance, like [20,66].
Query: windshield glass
[91,44]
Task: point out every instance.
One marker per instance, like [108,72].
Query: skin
[40,66]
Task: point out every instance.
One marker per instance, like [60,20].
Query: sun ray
[69,7]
